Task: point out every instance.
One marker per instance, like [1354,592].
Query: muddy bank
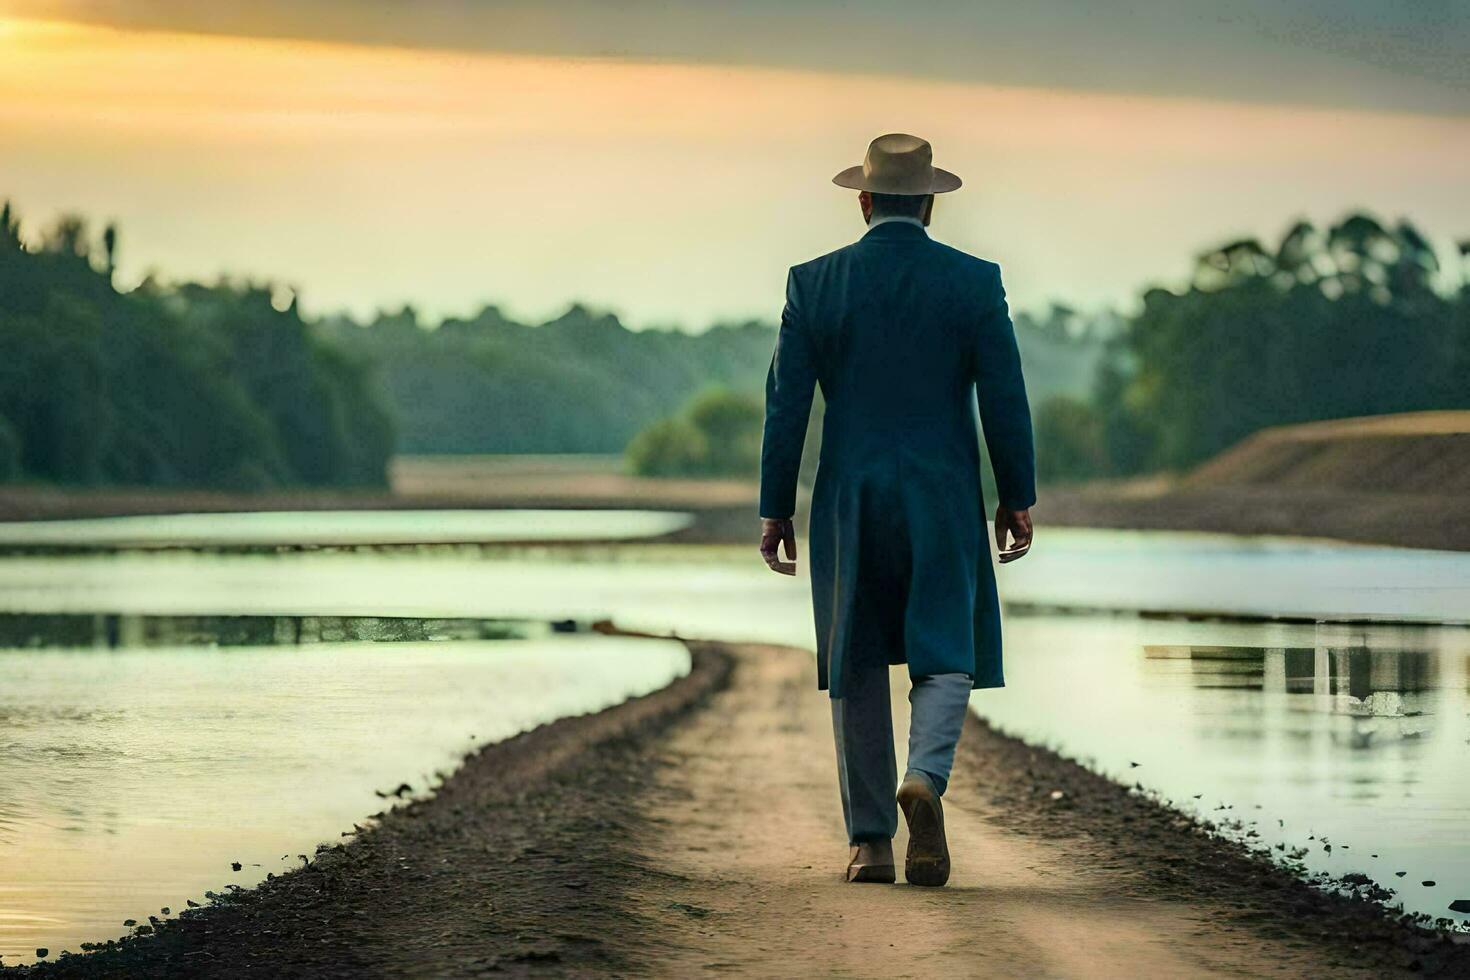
[519,862]
[1154,852]
[1405,520]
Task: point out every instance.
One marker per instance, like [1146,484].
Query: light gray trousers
[862,722]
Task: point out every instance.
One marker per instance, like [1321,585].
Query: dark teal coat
[903,334]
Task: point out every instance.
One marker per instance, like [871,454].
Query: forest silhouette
[227,385]
[169,386]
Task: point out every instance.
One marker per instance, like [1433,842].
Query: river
[1317,693]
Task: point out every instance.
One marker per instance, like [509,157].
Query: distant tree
[582,382]
[1069,441]
[1231,264]
[731,426]
[1325,325]
[109,249]
[668,447]
[9,228]
[68,236]
[718,433]
[193,386]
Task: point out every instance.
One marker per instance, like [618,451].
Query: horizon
[591,184]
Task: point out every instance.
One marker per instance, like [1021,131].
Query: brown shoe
[927,862]
[871,861]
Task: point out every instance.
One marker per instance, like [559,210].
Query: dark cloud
[1375,54]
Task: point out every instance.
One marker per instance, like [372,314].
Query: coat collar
[896,231]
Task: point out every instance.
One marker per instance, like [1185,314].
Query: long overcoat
[905,336]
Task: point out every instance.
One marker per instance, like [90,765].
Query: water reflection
[141,756]
[1350,680]
[269,530]
[1351,741]
[127,630]
[1344,678]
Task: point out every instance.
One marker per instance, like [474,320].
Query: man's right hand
[775,533]
[1016,524]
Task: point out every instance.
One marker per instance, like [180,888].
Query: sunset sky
[669,162]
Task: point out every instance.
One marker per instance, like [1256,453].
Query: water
[1341,724]
[1241,576]
[1351,741]
[726,591]
[134,777]
[320,528]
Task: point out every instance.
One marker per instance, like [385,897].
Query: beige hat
[898,164]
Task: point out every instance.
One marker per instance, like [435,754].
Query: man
[904,335]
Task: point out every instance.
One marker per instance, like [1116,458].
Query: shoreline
[516,862]
[1179,857]
[1439,522]
[715,520]
[650,834]
[724,512]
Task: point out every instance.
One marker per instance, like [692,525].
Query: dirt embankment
[653,839]
[1396,479]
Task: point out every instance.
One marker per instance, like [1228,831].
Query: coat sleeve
[1005,414]
[789,386]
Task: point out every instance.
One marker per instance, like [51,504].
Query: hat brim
[853,178]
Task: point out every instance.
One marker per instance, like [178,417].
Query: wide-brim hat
[898,164]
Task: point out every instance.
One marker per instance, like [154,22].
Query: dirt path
[750,834]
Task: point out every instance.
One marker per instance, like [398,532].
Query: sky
[669,161]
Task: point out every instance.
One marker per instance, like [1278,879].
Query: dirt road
[749,833]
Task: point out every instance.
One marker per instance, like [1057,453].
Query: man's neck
[895,217]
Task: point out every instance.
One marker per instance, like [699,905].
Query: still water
[1350,741]
[134,778]
[1349,723]
[267,529]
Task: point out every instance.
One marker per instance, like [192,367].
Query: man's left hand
[1017,525]
[774,533]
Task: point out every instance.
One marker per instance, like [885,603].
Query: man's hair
[899,205]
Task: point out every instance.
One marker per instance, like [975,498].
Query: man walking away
[904,335]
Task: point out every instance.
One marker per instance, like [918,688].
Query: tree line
[1354,319]
[580,383]
[586,383]
[227,385]
[1351,320]
[185,386]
